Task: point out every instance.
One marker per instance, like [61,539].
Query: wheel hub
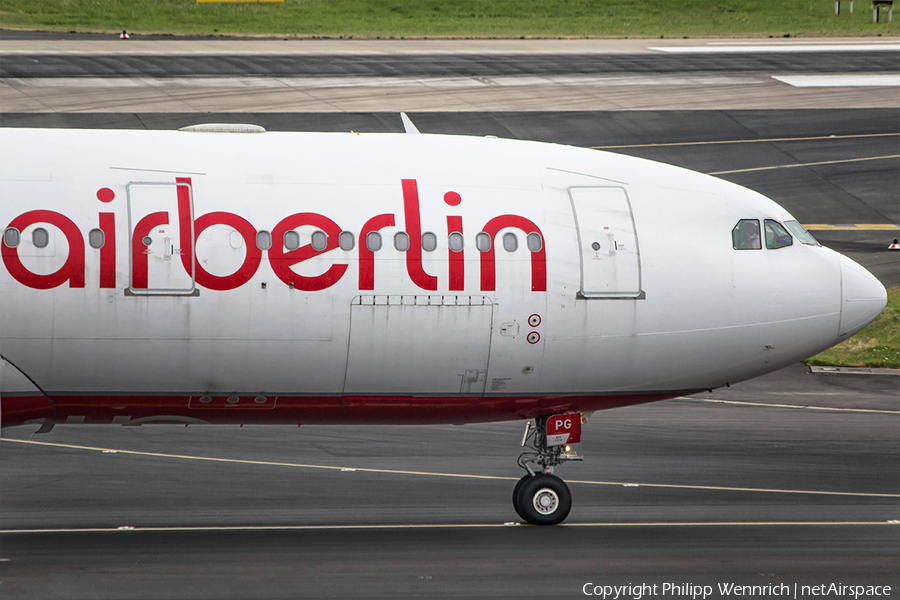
[545,501]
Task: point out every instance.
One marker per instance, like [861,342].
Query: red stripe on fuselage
[285,409]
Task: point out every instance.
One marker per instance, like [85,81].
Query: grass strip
[450,18]
[878,345]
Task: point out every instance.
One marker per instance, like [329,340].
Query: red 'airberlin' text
[280,258]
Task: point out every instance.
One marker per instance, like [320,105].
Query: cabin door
[608,243]
[418,345]
[157,264]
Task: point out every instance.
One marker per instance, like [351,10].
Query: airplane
[226,274]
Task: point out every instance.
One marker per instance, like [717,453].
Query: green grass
[451,18]
[878,345]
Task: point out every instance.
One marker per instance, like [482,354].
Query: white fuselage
[236,277]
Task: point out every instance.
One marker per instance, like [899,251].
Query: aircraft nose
[862,298]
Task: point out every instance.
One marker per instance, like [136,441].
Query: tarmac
[789,478]
[248,75]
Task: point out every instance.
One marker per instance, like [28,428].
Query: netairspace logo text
[726,590]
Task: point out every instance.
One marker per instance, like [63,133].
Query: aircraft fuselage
[384,278]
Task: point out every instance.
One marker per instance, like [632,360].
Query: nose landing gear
[541,498]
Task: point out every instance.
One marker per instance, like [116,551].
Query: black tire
[517,491]
[544,500]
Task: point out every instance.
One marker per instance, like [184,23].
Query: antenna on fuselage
[408,126]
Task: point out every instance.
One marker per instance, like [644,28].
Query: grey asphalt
[84,74]
[437,65]
[793,481]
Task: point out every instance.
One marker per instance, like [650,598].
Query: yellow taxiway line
[752,141]
[852,227]
[239,461]
[810,164]
[791,406]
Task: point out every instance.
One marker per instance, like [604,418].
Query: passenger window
[776,235]
[40,238]
[11,237]
[263,240]
[429,242]
[483,242]
[800,233]
[456,241]
[401,241]
[373,241]
[534,241]
[319,241]
[346,240]
[510,242]
[291,240]
[96,238]
[745,235]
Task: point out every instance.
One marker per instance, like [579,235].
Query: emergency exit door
[608,243]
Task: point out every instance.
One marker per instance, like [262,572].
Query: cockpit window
[800,233]
[776,235]
[745,235]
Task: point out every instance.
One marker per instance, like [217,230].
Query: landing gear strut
[540,497]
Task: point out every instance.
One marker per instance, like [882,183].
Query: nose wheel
[539,497]
[542,499]
[517,492]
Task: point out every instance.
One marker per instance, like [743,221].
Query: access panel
[418,345]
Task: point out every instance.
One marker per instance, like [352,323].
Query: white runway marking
[763,47]
[223,528]
[839,80]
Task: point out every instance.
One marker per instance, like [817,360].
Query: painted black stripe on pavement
[435,65]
